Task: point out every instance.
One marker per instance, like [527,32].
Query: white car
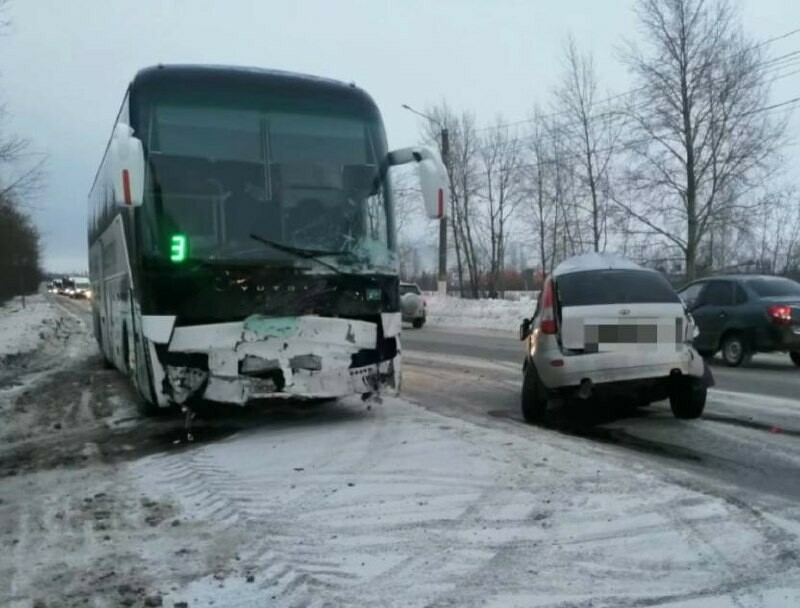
[413,305]
[82,289]
[606,327]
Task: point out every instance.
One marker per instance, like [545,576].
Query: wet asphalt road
[745,447]
[771,375]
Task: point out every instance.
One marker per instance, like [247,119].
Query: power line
[630,92]
[620,113]
[561,128]
[779,59]
[632,144]
[772,107]
[782,76]
[776,38]
[775,64]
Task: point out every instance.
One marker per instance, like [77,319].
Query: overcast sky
[64,66]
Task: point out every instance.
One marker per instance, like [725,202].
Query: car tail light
[548,324]
[780,315]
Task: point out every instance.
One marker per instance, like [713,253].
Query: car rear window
[770,288]
[404,289]
[597,287]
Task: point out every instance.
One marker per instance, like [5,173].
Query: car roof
[595,261]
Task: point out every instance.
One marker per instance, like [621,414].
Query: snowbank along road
[448,501]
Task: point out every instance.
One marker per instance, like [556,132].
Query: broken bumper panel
[285,357]
[306,384]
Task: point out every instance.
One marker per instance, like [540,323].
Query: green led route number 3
[178,248]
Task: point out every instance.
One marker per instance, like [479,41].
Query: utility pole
[443,220]
[445,148]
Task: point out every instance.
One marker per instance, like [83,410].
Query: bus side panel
[115,312]
[117,294]
[112,263]
[95,276]
[143,362]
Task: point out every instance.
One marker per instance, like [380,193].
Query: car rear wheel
[534,396]
[687,399]
[418,323]
[795,357]
[734,350]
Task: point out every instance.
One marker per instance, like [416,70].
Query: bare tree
[19,239]
[549,190]
[408,203]
[500,160]
[21,172]
[462,171]
[775,239]
[567,237]
[3,21]
[463,159]
[19,251]
[700,138]
[407,206]
[590,134]
[540,207]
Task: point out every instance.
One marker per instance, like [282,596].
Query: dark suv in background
[744,314]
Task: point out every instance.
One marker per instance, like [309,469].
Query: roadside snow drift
[23,329]
[37,339]
[501,315]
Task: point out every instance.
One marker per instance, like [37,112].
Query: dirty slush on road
[72,529]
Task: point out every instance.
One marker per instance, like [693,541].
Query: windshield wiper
[307,254]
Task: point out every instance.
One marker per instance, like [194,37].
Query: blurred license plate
[621,334]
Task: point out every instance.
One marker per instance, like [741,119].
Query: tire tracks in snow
[292,563]
[228,499]
[773,558]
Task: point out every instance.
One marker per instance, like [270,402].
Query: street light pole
[445,148]
[443,220]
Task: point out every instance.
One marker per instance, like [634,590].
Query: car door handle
[723,315]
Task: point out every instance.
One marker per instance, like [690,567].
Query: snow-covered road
[338,505]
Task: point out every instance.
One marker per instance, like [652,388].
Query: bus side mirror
[433,182]
[433,179]
[126,164]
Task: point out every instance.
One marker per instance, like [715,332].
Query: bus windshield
[307,178]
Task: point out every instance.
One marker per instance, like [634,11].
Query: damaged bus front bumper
[273,357]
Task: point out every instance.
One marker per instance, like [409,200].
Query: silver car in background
[413,305]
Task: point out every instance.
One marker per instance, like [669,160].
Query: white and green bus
[242,238]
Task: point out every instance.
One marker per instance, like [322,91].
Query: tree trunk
[457,244]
